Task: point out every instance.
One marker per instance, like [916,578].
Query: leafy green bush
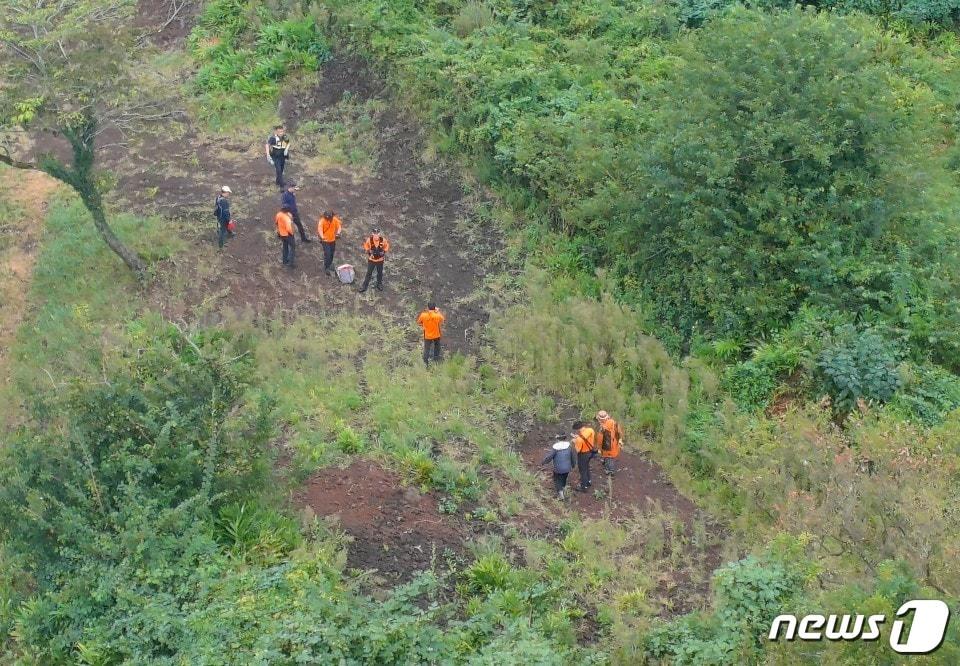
[753,382]
[929,394]
[746,595]
[246,48]
[859,365]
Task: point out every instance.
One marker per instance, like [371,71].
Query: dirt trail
[30,192]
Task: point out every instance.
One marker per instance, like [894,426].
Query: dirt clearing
[396,530]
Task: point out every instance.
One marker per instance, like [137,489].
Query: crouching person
[561,453]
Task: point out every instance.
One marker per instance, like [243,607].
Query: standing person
[376,247]
[430,321]
[284,222]
[563,462]
[289,199]
[278,149]
[584,443]
[328,229]
[222,211]
[611,441]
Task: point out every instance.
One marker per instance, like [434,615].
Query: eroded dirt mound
[395,529]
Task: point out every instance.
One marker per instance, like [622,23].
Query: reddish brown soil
[165,25]
[395,529]
[639,484]
[639,487]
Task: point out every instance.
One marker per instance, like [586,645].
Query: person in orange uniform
[376,247]
[284,222]
[430,321]
[611,440]
[329,228]
[584,442]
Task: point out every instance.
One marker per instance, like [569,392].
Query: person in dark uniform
[289,200]
[278,149]
[222,211]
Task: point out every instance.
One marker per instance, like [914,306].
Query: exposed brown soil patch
[166,23]
[640,487]
[420,208]
[396,530]
[30,191]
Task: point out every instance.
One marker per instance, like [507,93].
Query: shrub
[746,595]
[930,393]
[245,48]
[473,16]
[859,365]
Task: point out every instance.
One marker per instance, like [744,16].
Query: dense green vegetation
[807,175]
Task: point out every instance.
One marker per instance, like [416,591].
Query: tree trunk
[129,256]
[80,178]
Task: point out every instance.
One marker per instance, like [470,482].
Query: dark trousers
[221,233]
[583,466]
[296,221]
[328,250]
[610,465]
[288,249]
[278,164]
[371,267]
[431,350]
[560,481]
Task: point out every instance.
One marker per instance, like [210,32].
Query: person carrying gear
[562,455]
[611,441]
[328,229]
[584,443]
[376,247]
[221,210]
[284,222]
[289,199]
[278,149]
[430,321]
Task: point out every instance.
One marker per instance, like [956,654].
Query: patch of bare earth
[421,208]
[395,530]
[639,489]
[29,191]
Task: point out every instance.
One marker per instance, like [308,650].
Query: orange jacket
[376,242]
[430,321]
[585,440]
[611,438]
[328,229]
[284,224]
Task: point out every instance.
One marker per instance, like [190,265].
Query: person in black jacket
[562,455]
[289,199]
[278,150]
[222,211]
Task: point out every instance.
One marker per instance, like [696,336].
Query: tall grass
[81,295]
